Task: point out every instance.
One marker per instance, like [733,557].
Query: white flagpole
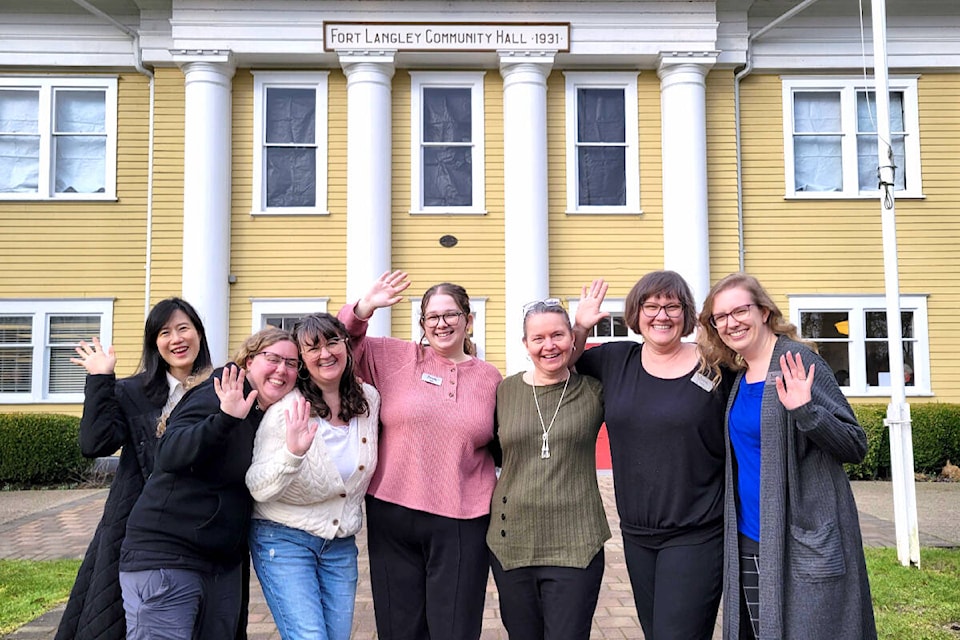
[898,411]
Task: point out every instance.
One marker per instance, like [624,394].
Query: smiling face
[273,381]
[656,325]
[451,328]
[178,343]
[549,342]
[325,360]
[744,331]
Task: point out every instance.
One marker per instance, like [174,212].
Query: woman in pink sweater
[428,505]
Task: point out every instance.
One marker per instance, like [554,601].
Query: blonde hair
[260,341]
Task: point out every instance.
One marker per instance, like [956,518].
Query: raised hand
[384,292]
[300,429]
[229,389]
[94,358]
[794,384]
[588,311]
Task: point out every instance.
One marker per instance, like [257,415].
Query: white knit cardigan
[307,492]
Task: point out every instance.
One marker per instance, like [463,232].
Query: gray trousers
[180,604]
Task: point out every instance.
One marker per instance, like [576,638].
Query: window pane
[291,116]
[80,111]
[817,163]
[19,154]
[600,115]
[817,325]
[19,111]
[285,322]
[16,363]
[619,325]
[816,112]
[867,112]
[603,176]
[447,177]
[81,164]
[868,162]
[878,363]
[876,324]
[447,115]
[66,332]
[291,177]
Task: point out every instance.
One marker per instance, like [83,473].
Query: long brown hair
[311,331]
[462,300]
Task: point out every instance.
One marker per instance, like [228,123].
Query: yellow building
[267,160]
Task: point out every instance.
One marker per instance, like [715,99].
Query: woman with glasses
[313,458]
[548,523]
[181,562]
[127,415]
[795,566]
[428,504]
[664,417]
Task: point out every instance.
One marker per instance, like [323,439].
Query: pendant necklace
[545,449]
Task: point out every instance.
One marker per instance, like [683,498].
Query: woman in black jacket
[124,414]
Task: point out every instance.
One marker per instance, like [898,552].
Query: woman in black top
[664,416]
[124,415]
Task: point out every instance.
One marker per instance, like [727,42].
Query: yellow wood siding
[835,246]
[722,173]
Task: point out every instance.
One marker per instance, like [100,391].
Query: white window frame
[46,86]
[612,80]
[610,305]
[262,80]
[848,87]
[40,311]
[855,306]
[478,309]
[264,307]
[462,80]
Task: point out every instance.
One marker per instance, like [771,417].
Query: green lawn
[29,588]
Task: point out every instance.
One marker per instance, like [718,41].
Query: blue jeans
[310,583]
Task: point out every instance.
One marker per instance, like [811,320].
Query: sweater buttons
[504,499]
[450,394]
[343,495]
[363,440]
[336,522]
[361,467]
[503,516]
[503,534]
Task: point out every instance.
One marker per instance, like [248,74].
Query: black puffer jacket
[116,415]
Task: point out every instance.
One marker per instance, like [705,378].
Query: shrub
[40,448]
[936,439]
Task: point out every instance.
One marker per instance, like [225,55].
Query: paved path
[59,524]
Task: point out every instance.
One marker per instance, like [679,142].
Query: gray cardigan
[813,579]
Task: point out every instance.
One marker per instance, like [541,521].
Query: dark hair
[153,366]
[669,284]
[310,331]
[538,308]
[462,300]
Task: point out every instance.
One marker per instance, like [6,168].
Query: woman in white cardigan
[313,457]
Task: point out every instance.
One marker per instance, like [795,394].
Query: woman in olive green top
[547,522]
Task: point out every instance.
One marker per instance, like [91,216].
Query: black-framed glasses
[542,305]
[276,358]
[652,309]
[450,318]
[333,344]
[739,314]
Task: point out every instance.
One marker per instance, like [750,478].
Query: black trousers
[676,589]
[428,573]
[548,603]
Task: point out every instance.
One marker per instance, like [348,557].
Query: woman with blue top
[794,557]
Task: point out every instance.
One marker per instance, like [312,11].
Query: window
[58,138]
[447,151]
[611,329]
[603,172]
[37,340]
[478,307]
[851,333]
[290,142]
[830,137]
[284,312]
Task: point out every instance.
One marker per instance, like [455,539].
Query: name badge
[702,381]
[430,379]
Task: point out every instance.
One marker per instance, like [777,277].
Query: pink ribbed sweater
[433,454]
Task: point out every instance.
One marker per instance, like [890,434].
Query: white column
[683,124]
[369,161]
[207,158]
[526,229]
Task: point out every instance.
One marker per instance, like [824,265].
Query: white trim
[262,307]
[420,80]
[627,81]
[848,87]
[612,306]
[316,80]
[855,306]
[46,86]
[40,310]
[478,309]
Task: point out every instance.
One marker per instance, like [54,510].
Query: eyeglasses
[652,309]
[542,305]
[333,344]
[451,318]
[276,358]
[738,314]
